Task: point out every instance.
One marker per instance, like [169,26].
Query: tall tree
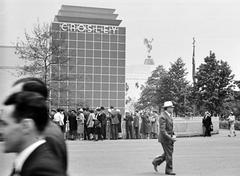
[214,80]
[174,87]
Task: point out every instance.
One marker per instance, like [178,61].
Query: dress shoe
[155,166]
[170,173]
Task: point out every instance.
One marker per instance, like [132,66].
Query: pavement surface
[218,155]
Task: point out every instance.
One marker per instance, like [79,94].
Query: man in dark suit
[53,134]
[207,122]
[104,122]
[166,138]
[25,117]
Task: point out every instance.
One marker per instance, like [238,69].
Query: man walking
[231,120]
[166,138]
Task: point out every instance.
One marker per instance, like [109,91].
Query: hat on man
[98,109]
[168,104]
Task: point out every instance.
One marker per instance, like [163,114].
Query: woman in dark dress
[72,124]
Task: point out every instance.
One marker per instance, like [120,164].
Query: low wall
[186,127]
[193,126]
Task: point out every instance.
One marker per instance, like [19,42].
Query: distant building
[137,75]
[96,48]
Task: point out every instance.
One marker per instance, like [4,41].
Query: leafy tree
[174,87]
[40,51]
[45,53]
[148,95]
[179,88]
[213,84]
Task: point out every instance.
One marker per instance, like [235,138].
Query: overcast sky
[172,24]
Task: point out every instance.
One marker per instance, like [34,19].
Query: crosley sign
[88,28]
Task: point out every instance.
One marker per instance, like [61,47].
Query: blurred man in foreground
[25,117]
[53,134]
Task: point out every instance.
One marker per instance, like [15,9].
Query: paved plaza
[193,156]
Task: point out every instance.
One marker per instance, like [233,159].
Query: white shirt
[21,157]
[170,115]
[231,119]
[57,117]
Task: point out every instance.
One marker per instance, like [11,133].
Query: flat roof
[87,15]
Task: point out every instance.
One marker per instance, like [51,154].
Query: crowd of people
[100,124]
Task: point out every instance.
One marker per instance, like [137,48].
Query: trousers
[166,156]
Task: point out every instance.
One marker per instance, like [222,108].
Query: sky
[215,25]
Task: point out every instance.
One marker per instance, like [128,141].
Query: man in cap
[166,138]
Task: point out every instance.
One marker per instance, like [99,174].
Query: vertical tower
[95,47]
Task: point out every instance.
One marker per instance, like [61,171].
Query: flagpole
[193,74]
[193,62]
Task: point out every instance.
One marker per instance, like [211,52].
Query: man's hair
[31,84]
[29,105]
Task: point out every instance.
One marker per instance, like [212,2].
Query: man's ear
[27,126]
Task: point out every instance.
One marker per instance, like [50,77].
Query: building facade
[94,45]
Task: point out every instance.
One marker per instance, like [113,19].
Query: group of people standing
[141,125]
[89,124]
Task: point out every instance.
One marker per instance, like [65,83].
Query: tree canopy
[214,82]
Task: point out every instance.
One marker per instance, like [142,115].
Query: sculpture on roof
[148,44]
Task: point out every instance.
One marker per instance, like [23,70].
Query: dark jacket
[207,121]
[54,137]
[42,161]
[104,118]
[165,129]
[72,122]
[128,120]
